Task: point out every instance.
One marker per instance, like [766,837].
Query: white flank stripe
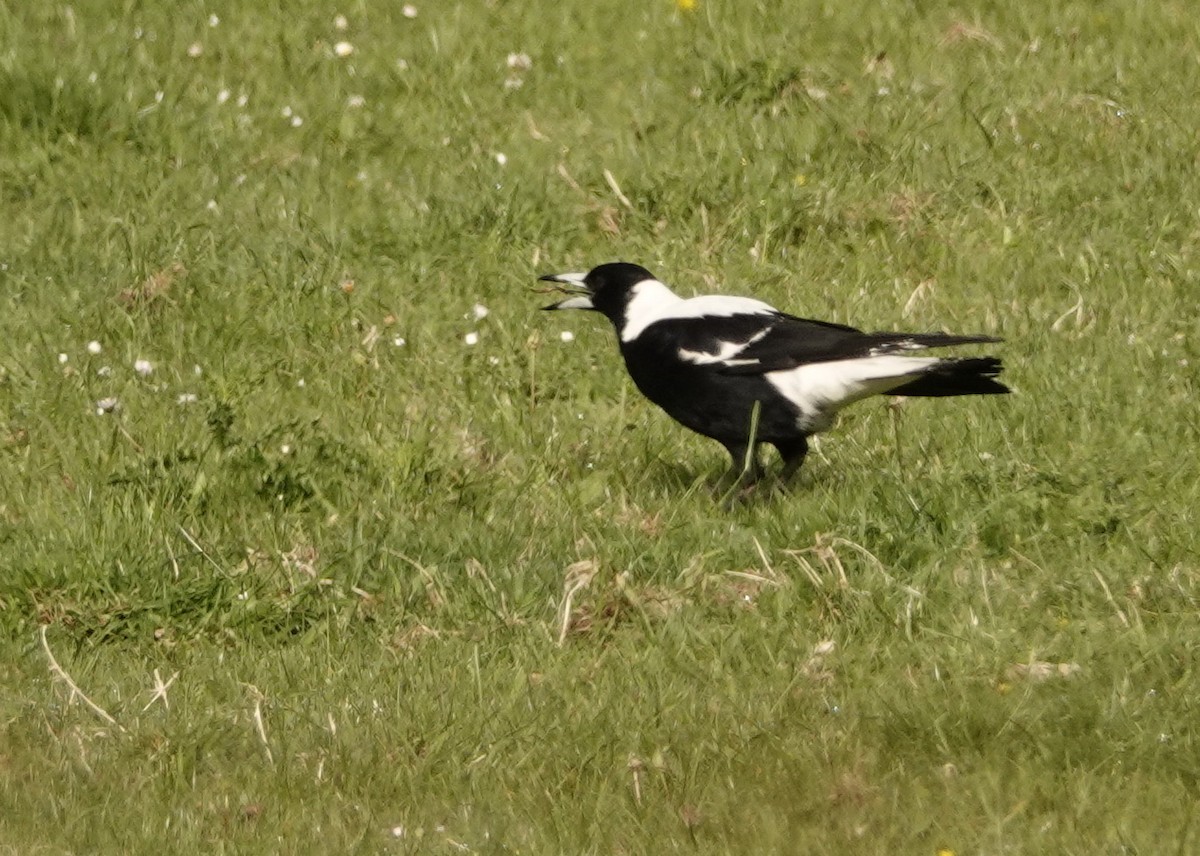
[820,390]
[652,301]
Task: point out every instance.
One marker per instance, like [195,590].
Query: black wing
[760,343]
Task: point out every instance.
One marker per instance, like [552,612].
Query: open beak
[579,296]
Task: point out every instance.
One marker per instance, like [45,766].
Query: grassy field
[315,537]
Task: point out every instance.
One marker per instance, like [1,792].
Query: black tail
[968,376]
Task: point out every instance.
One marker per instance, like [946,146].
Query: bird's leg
[792,452]
[745,470]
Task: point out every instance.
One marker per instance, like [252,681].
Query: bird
[743,373]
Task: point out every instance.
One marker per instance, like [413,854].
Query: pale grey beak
[571,284]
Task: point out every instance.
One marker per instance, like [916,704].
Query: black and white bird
[743,373]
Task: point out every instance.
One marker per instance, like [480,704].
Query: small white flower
[343,49]
[143,367]
[501,158]
[244,595]
[514,82]
[399,342]
[223,96]
[493,361]
[297,121]
[195,49]
[104,371]
[93,77]
[212,205]
[300,383]
[106,405]
[187,398]
[62,358]
[286,112]
[94,347]
[823,648]
[285,449]
[409,11]
[213,20]
[243,100]
[471,338]
[340,23]
[479,311]
[567,336]
[519,62]
[398,832]
[356,101]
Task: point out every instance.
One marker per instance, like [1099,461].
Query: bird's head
[606,289]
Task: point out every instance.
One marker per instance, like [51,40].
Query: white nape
[651,300]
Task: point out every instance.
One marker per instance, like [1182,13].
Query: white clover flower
[514,82]
[567,336]
[187,398]
[212,205]
[343,49]
[297,121]
[143,367]
[300,383]
[213,20]
[501,158]
[195,49]
[106,405]
[399,342]
[94,347]
[285,449]
[409,11]
[493,361]
[479,311]
[243,100]
[355,101]
[340,23]
[471,339]
[223,96]
[62,358]
[286,112]
[519,62]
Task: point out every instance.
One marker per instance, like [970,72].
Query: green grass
[353,557]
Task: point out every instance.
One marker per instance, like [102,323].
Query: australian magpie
[743,373]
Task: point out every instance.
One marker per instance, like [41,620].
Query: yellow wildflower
[685,5]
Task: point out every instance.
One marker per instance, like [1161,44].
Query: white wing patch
[820,390]
[652,301]
[726,354]
[892,347]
